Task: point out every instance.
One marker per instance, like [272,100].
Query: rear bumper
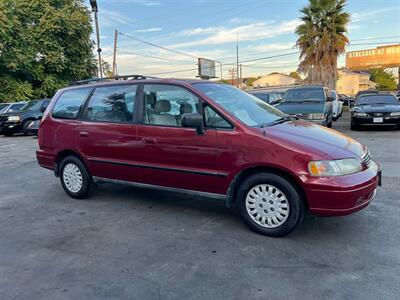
[46,159]
[342,195]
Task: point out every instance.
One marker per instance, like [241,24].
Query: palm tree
[322,39]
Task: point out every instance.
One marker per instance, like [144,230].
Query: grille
[379,114]
[2,118]
[366,157]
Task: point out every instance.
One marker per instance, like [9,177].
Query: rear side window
[69,103]
[113,104]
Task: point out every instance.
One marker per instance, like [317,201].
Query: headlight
[395,114]
[318,116]
[14,118]
[338,167]
[359,114]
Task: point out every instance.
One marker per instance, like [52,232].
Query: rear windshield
[377,99]
[304,95]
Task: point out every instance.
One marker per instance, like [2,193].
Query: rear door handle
[149,141]
[84,133]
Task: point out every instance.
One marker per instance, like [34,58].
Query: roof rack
[119,77]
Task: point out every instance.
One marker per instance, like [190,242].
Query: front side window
[113,104]
[32,105]
[166,104]
[70,102]
[212,119]
[16,107]
[245,107]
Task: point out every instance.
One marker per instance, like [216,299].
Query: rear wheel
[25,125]
[270,204]
[75,178]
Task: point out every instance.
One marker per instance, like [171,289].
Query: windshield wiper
[309,100]
[277,121]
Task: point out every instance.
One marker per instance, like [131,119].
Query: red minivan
[207,138]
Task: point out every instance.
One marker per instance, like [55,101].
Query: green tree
[321,39]
[383,79]
[294,75]
[44,45]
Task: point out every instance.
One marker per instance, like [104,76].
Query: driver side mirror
[193,120]
[329,99]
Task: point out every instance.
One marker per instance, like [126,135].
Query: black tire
[8,133]
[354,126]
[294,201]
[86,178]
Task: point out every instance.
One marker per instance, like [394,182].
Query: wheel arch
[63,154]
[242,175]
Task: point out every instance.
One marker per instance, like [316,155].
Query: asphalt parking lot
[131,243]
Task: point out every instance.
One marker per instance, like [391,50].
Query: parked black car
[376,109]
[270,97]
[14,122]
[311,103]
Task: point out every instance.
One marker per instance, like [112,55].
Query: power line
[158,46]
[152,56]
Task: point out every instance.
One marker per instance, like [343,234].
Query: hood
[377,108]
[320,142]
[301,108]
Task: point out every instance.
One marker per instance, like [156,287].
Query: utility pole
[232,72]
[220,69]
[95,10]
[237,55]
[114,67]
[240,74]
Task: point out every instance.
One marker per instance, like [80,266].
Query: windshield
[247,108]
[3,107]
[304,95]
[32,105]
[377,99]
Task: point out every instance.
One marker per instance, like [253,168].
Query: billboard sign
[380,57]
[206,68]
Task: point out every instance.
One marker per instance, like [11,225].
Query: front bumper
[370,121]
[342,195]
[10,127]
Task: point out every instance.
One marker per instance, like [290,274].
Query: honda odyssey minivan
[205,138]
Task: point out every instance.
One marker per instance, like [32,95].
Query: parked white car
[337,106]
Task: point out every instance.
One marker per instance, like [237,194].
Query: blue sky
[208,28]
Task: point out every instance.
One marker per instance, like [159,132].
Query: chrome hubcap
[72,177]
[267,205]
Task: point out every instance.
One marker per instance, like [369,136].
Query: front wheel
[75,178]
[270,204]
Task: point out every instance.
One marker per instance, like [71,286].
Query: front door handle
[84,133]
[149,141]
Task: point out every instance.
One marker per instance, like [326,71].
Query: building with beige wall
[350,83]
[274,79]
